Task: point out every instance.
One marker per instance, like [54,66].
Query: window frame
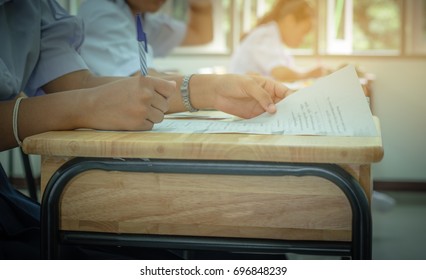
[412,36]
[412,33]
[415,35]
[333,44]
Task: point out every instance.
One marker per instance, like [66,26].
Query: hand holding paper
[333,105]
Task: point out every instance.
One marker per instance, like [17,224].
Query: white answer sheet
[334,105]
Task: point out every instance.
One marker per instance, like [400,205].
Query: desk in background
[207,191]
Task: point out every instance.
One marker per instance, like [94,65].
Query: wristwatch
[184,90]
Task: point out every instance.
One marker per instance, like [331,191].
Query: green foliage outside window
[377,25]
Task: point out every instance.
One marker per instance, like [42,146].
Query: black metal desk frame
[360,246]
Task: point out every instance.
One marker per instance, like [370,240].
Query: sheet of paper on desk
[333,105]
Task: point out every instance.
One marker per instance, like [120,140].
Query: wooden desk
[207,190]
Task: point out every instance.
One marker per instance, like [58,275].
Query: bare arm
[77,80]
[200,25]
[134,103]
[286,74]
[242,96]
[245,96]
[137,103]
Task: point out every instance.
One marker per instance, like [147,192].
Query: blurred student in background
[265,49]
[110,46]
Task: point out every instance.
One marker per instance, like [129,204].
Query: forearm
[39,114]
[55,113]
[137,103]
[242,96]
[200,24]
[286,74]
[7,140]
[77,80]
[200,90]
[134,103]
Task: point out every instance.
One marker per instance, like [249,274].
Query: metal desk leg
[32,187]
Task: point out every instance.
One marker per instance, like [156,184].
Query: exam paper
[333,105]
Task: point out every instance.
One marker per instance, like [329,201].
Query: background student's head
[295,20]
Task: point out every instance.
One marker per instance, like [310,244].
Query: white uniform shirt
[111,48]
[261,51]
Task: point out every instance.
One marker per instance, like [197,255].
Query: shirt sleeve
[164,33]
[261,51]
[110,47]
[9,84]
[61,37]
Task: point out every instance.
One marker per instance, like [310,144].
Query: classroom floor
[400,232]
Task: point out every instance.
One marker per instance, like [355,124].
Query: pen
[143,45]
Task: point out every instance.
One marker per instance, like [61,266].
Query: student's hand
[246,96]
[136,103]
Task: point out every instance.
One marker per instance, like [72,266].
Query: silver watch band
[184,90]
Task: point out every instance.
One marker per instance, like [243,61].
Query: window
[353,27]
[363,26]
[221,43]
[233,18]
[343,27]
[416,27]
[339,26]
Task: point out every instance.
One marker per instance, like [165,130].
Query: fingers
[162,87]
[276,89]
[146,125]
[155,116]
[265,100]
[155,106]
[156,93]
[159,102]
[272,93]
[280,90]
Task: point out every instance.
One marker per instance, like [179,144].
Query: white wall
[399,101]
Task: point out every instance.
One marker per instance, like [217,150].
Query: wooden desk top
[282,148]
